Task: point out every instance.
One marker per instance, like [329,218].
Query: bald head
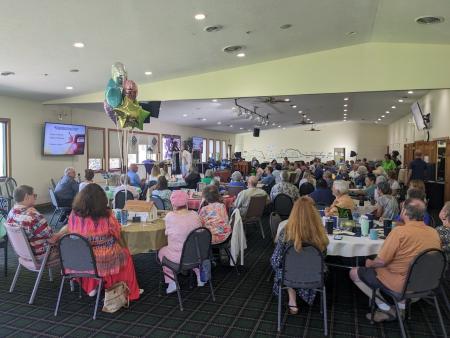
[414,209]
[418,154]
[252,181]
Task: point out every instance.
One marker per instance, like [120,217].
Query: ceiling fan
[312,129]
[271,100]
[303,121]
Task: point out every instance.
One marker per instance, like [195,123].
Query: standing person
[89,176]
[417,167]
[186,160]
[67,188]
[92,219]
[395,155]
[179,223]
[388,163]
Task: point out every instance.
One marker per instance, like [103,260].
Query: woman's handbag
[116,297]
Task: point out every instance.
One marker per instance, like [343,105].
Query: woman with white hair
[360,181]
[284,187]
[236,180]
[342,201]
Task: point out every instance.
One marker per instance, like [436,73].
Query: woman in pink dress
[214,215]
[179,223]
[92,219]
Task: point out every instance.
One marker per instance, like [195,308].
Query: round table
[194,202]
[145,237]
[177,184]
[350,246]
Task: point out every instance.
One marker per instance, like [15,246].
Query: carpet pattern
[244,307]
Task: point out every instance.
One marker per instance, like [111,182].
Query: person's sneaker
[384,316]
[200,283]
[141,291]
[92,293]
[171,288]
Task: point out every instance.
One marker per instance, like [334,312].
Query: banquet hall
[168,166]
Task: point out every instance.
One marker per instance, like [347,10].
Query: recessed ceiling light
[284,128]
[345,114]
[69,87]
[345,98]
[300,111]
[200,16]
[214,100]
[279,126]
[231,126]
[345,109]
[400,100]
[219,122]
[185,115]
[388,112]
[393,107]
[307,119]
[204,119]
[376,121]
[379,119]
[248,130]
[410,92]
[345,105]
[287,100]
[241,128]
[240,55]
[274,124]
[382,116]
[294,106]
[148,73]
[78,45]
[429,20]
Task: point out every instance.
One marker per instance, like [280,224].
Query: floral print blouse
[214,216]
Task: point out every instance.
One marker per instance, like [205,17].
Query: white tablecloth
[177,184]
[350,246]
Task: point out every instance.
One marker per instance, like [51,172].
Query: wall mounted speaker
[256,132]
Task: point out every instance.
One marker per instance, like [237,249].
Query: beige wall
[30,167]
[368,140]
[436,102]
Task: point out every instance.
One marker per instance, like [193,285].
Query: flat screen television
[64,139]
[197,143]
[422,121]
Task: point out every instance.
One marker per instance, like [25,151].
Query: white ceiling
[163,37]
[319,108]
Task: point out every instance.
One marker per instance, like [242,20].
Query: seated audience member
[216,182]
[89,176]
[390,268]
[125,183]
[342,173]
[243,198]
[209,174]
[369,189]
[343,200]
[392,180]
[388,164]
[323,194]
[192,178]
[273,163]
[154,174]
[284,187]
[318,172]
[67,188]
[360,180]
[417,184]
[444,230]
[236,180]
[379,171]
[307,178]
[328,177]
[413,193]
[378,179]
[161,189]
[306,188]
[164,170]
[387,205]
[303,226]
[24,215]
[135,180]
[92,219]
[214,215]
[255,162]
[286,163]
[353,174]
[276,173]
[268,179]
[179,223]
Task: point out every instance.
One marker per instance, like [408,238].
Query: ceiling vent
[211,29]
[429,20]
[233,49]
[7,73]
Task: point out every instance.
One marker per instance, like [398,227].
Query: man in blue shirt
[323,194]
[135,180]
[67,188]
[268,179]
[417,167]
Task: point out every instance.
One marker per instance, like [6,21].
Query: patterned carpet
[244,307]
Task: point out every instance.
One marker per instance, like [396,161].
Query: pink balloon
[130,89]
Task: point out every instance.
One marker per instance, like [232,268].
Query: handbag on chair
[116,297]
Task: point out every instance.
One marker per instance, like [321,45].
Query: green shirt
[388,165]
[206,180]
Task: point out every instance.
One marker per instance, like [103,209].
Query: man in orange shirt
[390,267]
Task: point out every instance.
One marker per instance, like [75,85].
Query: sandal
[293,309]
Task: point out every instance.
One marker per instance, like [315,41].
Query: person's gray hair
[124,179]
[209,173]
[211,194]
[236,176]
[384,187]
[380,179]
[284,176]
[68,169]
[362,170]
[446,209]
[20,192]
[415,209]
[417,194]
[341,186]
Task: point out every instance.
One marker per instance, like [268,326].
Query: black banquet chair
[255,211]
[283,204]
[77,257]
[4,242]
[225,245]
[303,270]
[159,203]
[234,190]
[59,212]
[274,220]
[196,249]
[424,278]
[120,199]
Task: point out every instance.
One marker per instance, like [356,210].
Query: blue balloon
[114,97]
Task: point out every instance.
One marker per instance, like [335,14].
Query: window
[5,150]
[96,148]
[169,144]
[211,149]
[142,146]
[224,150]
[115,148]
[204,150]
[217,150]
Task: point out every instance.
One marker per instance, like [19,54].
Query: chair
[21,246]
[120,199]
[283,204]
[196,249]
[255,211]
[303,270]
[4,242]
[274,220]
[225,245]
[423,280]
[60,211]
[159,203]
[234,191]
[52,183]
[77,260]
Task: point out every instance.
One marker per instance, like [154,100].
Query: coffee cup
[373,234]
[329,225]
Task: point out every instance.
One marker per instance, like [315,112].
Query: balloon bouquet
[120,100]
